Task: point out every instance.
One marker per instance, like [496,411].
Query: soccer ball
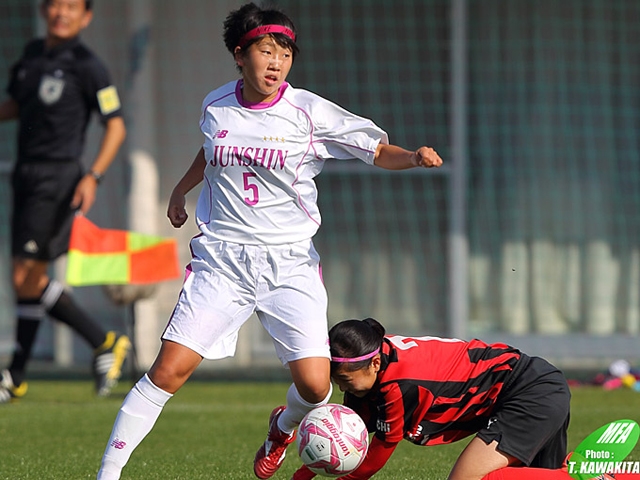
[332,440]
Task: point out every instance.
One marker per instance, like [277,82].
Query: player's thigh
[311,377]
[212,306]
[173,366]
[294,313]
[479,459]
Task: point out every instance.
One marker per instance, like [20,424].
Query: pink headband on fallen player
[356,359]
[263,30]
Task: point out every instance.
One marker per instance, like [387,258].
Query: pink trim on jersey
[309,147]
[187,272]
[211,103]
[258,105]
[206,179]
[191,249]
[346,144]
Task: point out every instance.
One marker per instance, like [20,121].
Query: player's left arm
[393,157]
[85,193]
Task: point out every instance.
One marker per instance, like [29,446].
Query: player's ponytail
[353,343]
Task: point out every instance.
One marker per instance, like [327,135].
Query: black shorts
[530,420]
[42,216]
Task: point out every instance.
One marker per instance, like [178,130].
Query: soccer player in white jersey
[264,141]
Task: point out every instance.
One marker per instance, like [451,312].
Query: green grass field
[211,430]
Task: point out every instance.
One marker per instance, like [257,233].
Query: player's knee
[311,377]
[314,392]
[168,379]
[29,278]
[169,376]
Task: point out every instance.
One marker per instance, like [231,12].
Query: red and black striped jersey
[433,390]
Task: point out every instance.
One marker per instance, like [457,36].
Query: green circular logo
[605,450]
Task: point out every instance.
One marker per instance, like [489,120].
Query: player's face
[65,19]
[358,382]
[265,66]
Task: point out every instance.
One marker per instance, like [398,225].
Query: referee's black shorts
[42,216]
[531,419]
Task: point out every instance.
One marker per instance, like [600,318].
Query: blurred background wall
[528,234]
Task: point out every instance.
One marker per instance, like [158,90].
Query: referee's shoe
[9,391]
[107,362]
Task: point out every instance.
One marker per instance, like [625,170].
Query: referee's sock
[30,314]
[61,306]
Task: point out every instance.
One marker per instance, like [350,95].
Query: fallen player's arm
[377,455]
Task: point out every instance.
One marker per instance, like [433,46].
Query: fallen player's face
[357,382]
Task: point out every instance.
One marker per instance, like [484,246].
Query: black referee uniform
[56,90]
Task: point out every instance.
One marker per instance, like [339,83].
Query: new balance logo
[220,133]
[119,444]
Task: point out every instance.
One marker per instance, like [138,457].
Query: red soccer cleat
[271,454]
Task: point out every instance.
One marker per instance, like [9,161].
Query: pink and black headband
[356,359]
[263,30]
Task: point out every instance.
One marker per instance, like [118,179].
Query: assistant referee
[53,90]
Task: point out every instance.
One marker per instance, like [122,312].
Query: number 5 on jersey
[250,187]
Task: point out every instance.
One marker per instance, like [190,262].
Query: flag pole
[131,327]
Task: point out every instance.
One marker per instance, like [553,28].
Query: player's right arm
[9,110]
[393,157]
[377,455]
[176,210]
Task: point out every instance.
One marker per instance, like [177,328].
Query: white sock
[138,413]
[297,408]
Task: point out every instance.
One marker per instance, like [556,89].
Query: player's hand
[176,211]
[84,195]
[426,157]
[303,473]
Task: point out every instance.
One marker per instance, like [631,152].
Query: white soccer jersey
[261,161]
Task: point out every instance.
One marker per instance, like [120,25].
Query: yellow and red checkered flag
[100,256]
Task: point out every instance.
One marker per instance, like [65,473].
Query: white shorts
[227,282]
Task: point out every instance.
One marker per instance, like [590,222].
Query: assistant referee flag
[100,256]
